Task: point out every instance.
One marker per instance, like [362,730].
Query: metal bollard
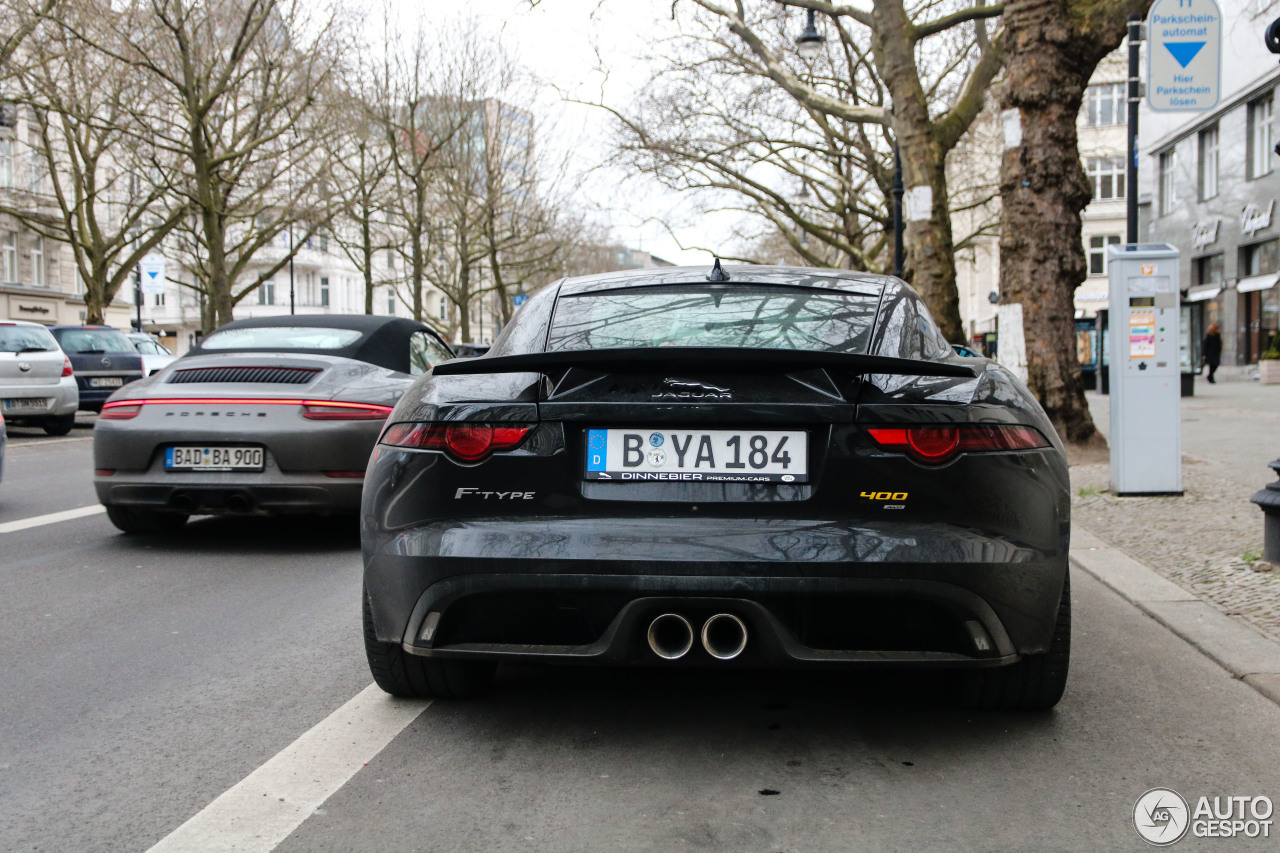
[1269,500]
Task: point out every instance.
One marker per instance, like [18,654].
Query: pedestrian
[1211,349]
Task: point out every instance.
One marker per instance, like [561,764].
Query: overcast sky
[563,42]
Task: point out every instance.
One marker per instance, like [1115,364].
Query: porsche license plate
[709,456]
[213,458]
[105,382]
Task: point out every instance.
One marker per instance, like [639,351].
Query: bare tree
[109,189]
[362,186]
[1052,49]
[240,86]
[924,139]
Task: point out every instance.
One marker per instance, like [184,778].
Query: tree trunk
[928,242]
[1051,50]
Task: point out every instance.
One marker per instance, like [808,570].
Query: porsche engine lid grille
[271,375]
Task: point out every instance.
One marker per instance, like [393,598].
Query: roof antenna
[717,274]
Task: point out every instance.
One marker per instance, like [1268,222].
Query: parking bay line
[261,810]
[51,518]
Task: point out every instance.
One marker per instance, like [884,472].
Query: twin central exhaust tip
[724,636]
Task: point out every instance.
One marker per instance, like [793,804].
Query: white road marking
[51,518]
[263,808]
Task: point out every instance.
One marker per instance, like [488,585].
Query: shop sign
[1204,234]
[1253,218]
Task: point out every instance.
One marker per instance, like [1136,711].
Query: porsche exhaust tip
[670,636]
[724,636]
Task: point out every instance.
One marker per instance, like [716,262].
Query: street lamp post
[291,255]
[809,43]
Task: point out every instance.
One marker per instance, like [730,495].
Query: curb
[1236,647]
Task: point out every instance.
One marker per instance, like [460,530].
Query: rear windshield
[788,318]
[281,337]
[94,341]
[26,339]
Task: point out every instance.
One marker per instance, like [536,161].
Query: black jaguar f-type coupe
[761,467]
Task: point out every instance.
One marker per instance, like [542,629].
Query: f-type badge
[687,389]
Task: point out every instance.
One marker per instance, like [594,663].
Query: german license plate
[19,404]
[105,381]
[709,456]
[213,458]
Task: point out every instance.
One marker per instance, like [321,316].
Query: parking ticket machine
[1146,415]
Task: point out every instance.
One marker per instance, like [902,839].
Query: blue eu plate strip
[597,442]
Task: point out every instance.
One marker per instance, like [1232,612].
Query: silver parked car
[269,415]
[154,355]
[37,385]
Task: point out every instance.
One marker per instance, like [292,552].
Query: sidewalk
[1188,561]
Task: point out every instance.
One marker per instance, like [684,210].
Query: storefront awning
[1203,292]
[1257,282]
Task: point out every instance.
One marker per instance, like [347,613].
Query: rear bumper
[217,494]
[62,399]
[811,593]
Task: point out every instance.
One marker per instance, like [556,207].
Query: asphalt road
[141,677]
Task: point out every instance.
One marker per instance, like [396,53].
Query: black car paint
[983,537]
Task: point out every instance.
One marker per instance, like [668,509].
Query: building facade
[1209,187]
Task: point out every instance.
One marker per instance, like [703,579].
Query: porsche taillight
[464,442]
[313,410]
[120,411]
[937,444]
[344,412]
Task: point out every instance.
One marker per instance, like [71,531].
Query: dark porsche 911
[788,468]
[269,415]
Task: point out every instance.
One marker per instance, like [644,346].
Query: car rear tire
[1036,682]
[136,520]
[60,425]
[414,677]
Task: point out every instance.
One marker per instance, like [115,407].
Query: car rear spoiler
[732,359]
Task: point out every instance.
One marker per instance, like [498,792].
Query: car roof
[22,323]
[868,284]
[379,343]
[90,328]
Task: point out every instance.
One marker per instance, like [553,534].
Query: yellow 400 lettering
[885,496]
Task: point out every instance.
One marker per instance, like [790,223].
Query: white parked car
[37,387]
[154,355]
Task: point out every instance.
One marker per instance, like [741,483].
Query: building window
[1106,176]
[322,242]
[37,261]
[10,256]
[1260,258]
[324,291]
[391,301]
[1098,252]
[1261,138]
[158,300]
[1208,165]
[444,309]
[1168,192]
[267,292]
[1104,105]
[6,162]
[1207,270]
[391,259]
[35,171]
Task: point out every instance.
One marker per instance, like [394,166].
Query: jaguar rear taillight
[464,442]
[937,444]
